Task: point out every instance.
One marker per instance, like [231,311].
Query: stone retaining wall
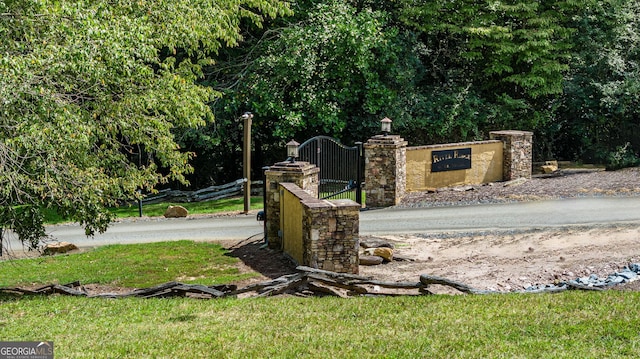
[330,232]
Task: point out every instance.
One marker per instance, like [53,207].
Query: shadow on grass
[255,254]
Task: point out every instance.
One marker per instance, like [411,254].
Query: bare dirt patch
[501,261]
[512,261]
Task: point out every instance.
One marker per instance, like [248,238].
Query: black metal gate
[341,167]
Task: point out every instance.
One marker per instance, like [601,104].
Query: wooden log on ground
[60,289]
[198,289]
[260,286]
[328,281]
[430,279]
[322,288]
[144,292]
[331,274]
[394,285]
[283,287]
[582,287]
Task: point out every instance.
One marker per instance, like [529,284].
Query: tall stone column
[385,169]
[302,174]
[517,153]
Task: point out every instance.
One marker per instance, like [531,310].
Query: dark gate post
[360,172]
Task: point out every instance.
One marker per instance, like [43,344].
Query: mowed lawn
[564,325]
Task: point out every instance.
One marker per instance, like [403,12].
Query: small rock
[549,167]
[375,243]
[370,260]
[59,247]
[515,182]
[176,212]
[385,253]
[463,189]
[627,275]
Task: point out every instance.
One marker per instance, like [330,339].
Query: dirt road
[512,260]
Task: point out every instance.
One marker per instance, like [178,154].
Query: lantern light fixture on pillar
[385,125]
[292,150]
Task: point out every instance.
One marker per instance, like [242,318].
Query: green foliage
[91,94]
[515,48]
[622,157]
[334,67]
[601,105]
[130,266]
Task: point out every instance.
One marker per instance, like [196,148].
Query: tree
[335,68]
[505,61]
[600,108]
[91,93]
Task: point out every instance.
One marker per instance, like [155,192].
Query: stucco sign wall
[444,165]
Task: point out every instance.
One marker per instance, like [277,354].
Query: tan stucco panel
[486,166]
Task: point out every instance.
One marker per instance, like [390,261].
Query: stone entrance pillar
[517,153]
[385,159]
[302,174]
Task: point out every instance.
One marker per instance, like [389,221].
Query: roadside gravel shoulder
[569,183]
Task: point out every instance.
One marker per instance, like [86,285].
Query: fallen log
[328,281]
[430,279]
[262,285]
[330,274]
[283,287]
[321,288]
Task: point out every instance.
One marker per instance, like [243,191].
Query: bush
[622,157]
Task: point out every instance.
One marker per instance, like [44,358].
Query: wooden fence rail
[211,193]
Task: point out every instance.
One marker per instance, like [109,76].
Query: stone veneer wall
[303,174]
[330,232]
[518,153]
[385,170]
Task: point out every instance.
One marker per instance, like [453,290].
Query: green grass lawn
[132,266]
[568,325]
[565,325]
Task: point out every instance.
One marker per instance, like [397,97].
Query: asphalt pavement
[388,221]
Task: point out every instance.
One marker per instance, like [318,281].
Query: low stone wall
[486,164]
[325,235]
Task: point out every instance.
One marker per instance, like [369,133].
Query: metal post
[264,202]
[247,160]
[359,171]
